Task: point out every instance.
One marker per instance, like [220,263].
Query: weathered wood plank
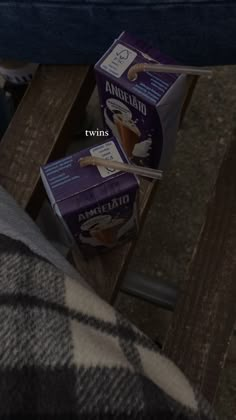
[41,127]
[105,273]
[205,314]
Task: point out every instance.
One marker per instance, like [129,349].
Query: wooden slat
[205,314]
[105,273]
[41,127]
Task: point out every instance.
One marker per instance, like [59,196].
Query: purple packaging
[143,115]
[98,206]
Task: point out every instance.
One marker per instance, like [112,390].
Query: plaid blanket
[67,354]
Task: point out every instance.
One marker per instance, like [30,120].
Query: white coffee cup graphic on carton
[121,124]
[125,129]
[102,230]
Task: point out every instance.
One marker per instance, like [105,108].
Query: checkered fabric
[65,353]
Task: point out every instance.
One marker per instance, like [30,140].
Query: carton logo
[105,208]
[118,61]
[128,98]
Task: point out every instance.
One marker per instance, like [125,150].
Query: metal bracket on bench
[151,289]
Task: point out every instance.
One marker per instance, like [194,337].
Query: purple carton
[98,206]
[143,115]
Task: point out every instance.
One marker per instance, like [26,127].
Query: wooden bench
[204,316]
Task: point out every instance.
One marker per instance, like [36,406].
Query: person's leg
[192,32]
[64,352]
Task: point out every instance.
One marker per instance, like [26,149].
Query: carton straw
[124,167]
[165,68]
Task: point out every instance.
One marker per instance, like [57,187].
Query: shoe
[17,73]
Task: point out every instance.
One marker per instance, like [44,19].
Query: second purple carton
[142,114]
[98,206]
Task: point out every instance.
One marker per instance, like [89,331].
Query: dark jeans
[196,32]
